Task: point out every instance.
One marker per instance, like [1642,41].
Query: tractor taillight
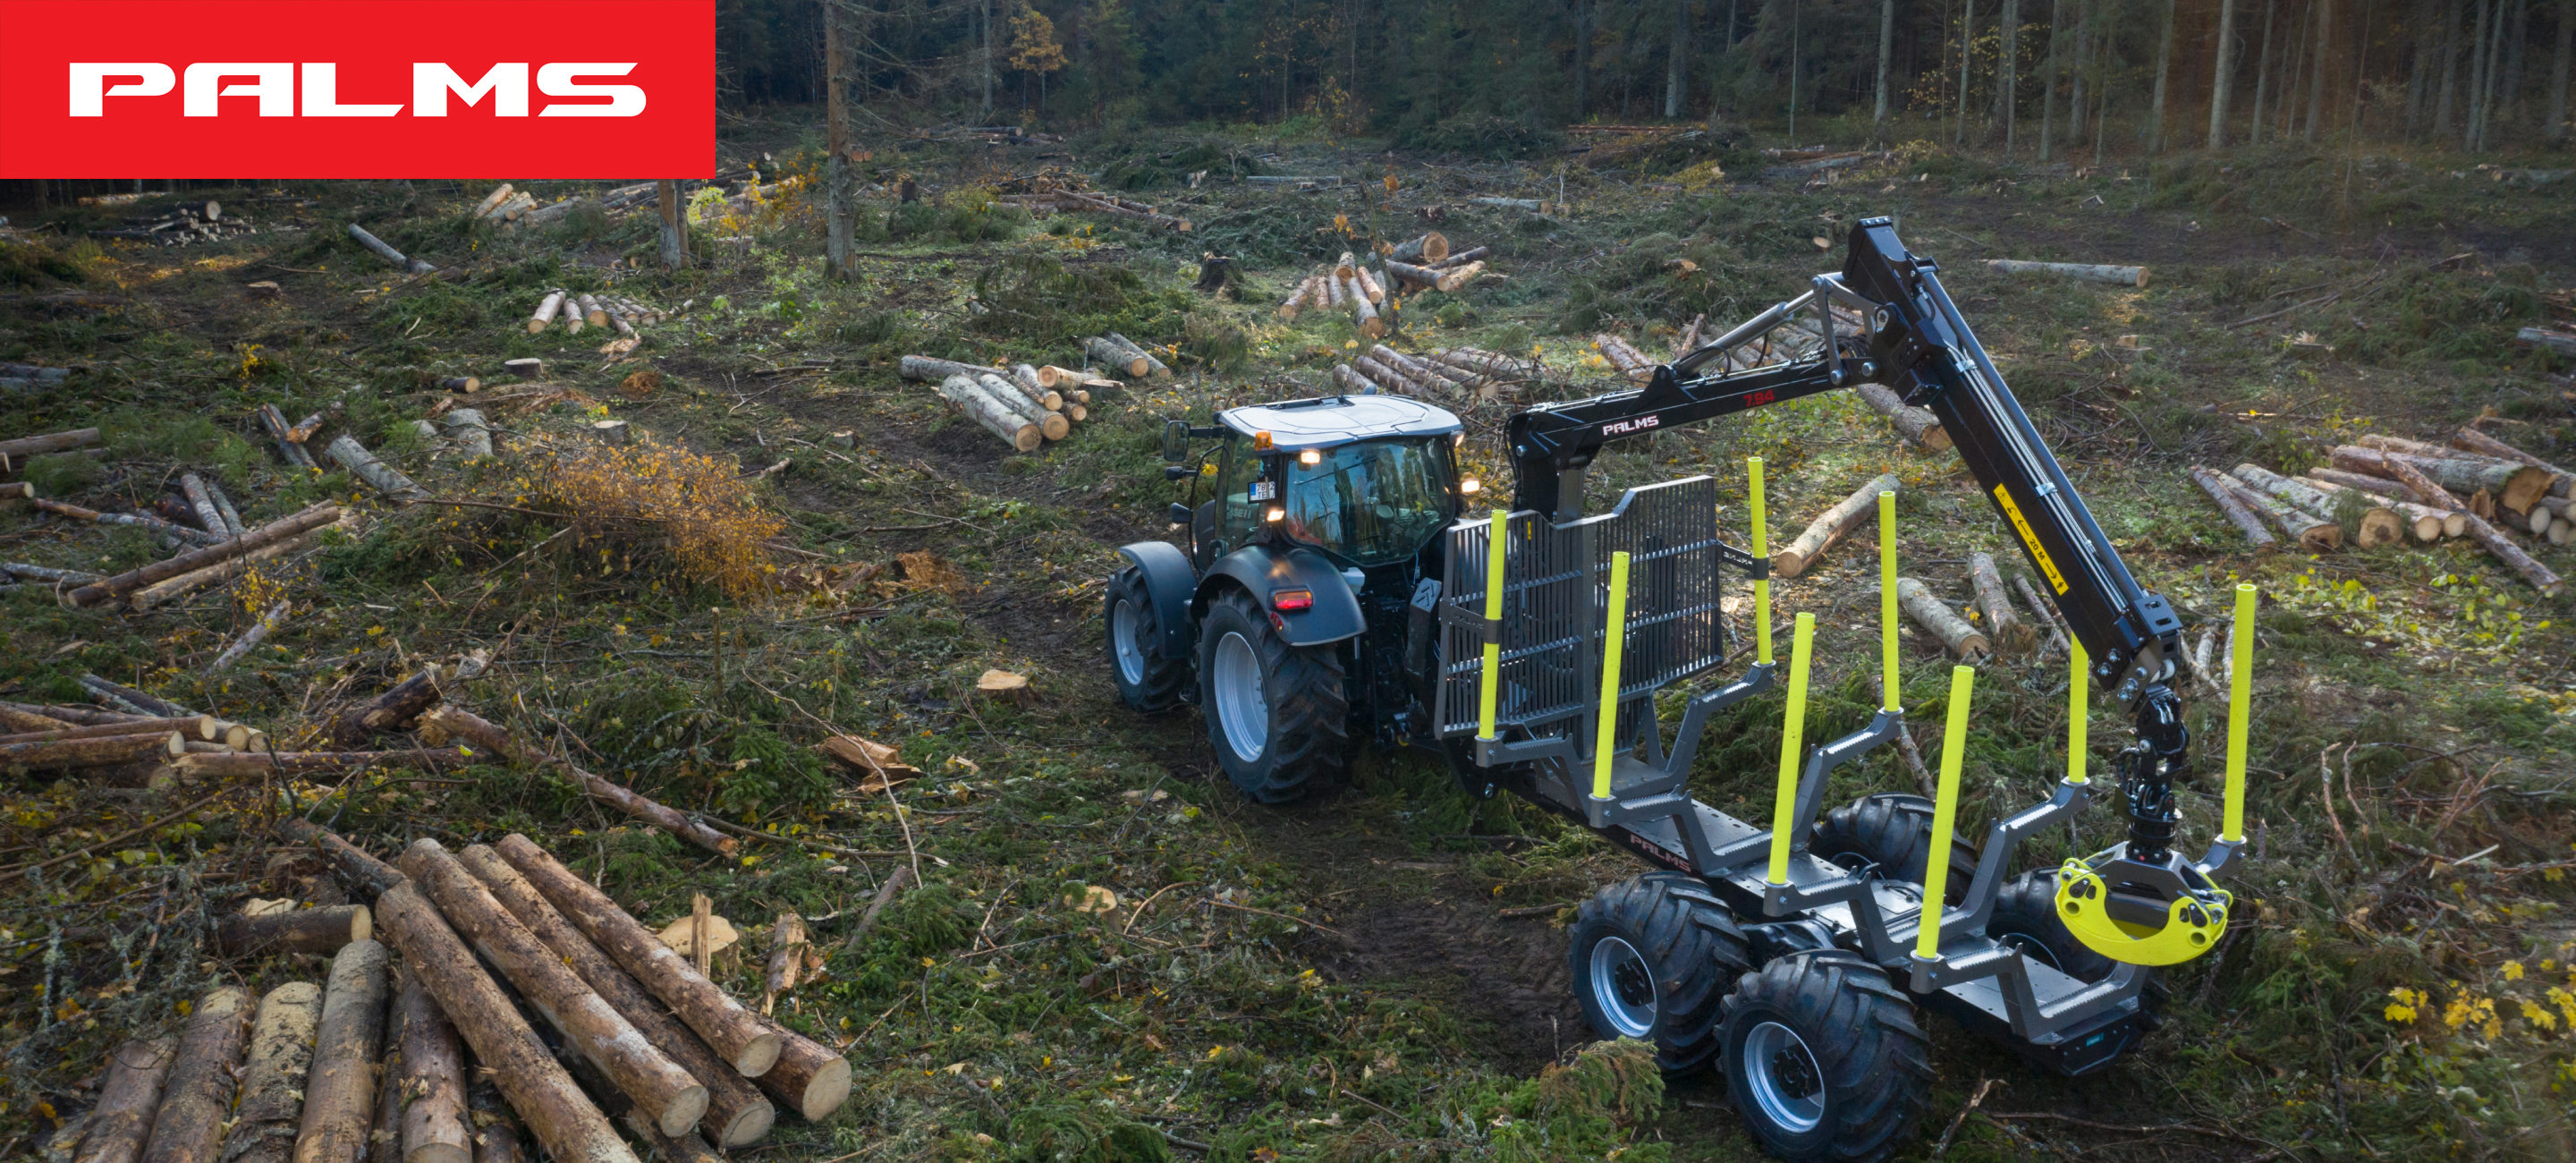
[1291,601]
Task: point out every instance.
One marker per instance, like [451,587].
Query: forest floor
[1334,980]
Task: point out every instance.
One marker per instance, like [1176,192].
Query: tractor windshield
[1372,504]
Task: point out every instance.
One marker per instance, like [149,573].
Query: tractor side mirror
[1176,440]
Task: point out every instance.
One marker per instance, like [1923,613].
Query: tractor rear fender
[1169,581]
[1266,570]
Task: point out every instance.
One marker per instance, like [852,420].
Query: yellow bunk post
[2240,712]
[2079,705]
[1496,541]
[1784,813]
[1945,811]
[1892,698]
[1761,552]
[1605,744]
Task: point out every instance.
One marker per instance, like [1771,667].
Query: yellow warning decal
[2056,580]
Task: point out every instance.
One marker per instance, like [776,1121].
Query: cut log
[189,1124]
[1353,383]
[1830,527]
[340,1097]
[2238,513]
[1930,612]
[118,694]
[658,1085]
[2313,533]
[491,201]
[396,257]
[278,429]
[19,450]
[219,572]
[320,932]
[1368,284]
[2514,485]
[1051,425]
[384,478]
[2541,577]
[224,509]
[736,1113]
[384,1131]
[304,429]
[2003,624]
[17,720]
[192,728]
[687,1148]
[1299,299]
[431,1081]
[1072,200]
[122,1120]
[566,1123]
[397,707]
[998,418]
[732,1031]
[107,751]
[2562,482]
[1460,258]
[591,312]
[1153,366]
[1916,424]
[528,369]
[1430,247]
[786,960]
[1454,278]
[1335,290]
[444,722]
[811,1079]
[2057,639]
[1482,363]
[497,1137]
[137,520]
[2393,493]
[2377,525]
[1368,321]
[302,762]
[1387,377]
[2080,272]
[1412,278]
[1636,366]
[471,432]
[1116,355]
[1030,384]
[361,873]
[922,367]
[2562,342]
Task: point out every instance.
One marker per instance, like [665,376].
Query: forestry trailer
[1335,587]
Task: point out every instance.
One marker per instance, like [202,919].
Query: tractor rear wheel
[1824,1058]
[1893,831]
[1651,957]
[1146,679]
[1277,714]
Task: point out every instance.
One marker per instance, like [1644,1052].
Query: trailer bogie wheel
[1824,1058]
[1146,679]
[2025,918]
[1651,957]
[1893,831]
[1277,714]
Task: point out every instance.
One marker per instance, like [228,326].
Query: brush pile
[1024,405]
[182,226]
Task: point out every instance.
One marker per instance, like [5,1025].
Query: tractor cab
[1366,481]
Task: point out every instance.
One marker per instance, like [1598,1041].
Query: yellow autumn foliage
[711,517]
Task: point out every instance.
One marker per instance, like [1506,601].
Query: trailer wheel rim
[1624,987]
[1240,708]
[1126,634]
[1781,1074]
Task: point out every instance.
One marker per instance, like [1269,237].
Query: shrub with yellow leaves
[708,517]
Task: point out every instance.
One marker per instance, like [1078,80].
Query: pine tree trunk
[675,251]
[2164,71]
[2048,82]
[2262,77]
[2009,76]
[2079,89]
[2317,71]
[836,136]
[1967,53]
[1886,47]
[2450,68]
[2558,71]
[2224,75]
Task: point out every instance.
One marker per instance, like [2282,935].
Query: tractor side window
[1240,514]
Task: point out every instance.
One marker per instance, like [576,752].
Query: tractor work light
[1291,601]
[1310,458]
[1275,515]
[1470,486]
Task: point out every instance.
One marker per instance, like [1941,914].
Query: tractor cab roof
[1337,420]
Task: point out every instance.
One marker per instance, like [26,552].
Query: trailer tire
[1825,1059]
[1278,715]
[1652,957]
[1147,680]
[1893,831]
[2025,918]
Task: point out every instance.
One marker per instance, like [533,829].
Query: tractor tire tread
[1894,831]
[1309,744]
[1165,678]
[1692,939]
[1874,1055]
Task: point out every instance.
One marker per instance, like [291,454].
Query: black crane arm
[1913,339]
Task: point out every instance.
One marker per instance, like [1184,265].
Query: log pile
[1425,263]
[1460,373]
[577,310]
[2388,490]
[186,225]
[1028,406]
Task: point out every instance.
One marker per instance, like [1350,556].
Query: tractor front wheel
[1146,679]
[1824,1058]
[1651,957]
[1277,714]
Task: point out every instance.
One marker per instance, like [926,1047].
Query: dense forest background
[2031,76]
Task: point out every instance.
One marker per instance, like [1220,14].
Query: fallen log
[278,429]
[1369,324]
[1153,366]
[221,571]
[1026,377]
[567,1125]
[1634,365]
[1930,612]
[812,1080]
[1299,299]
[189,728]
[2235,509]
[2561,342]
[321,932]
[202,504]
[1352,383]
[224,509]
[301,762]
[1916,424]
[127,1100]
[2313,533]
[736,1113]
[786,960]
[304,429]
[2541,577]
[340,1094]
[106,751]
[2391,492]
[431,1082]
[118,694]
[1370,288]
[2423,522]
[492,737]
[382,477]
[1018,431]
[1051,425]
[188,1126]
[1410,277]
[1430,247]
[658,1085]
[491,201]
[886,892]
[545,214]
[2562,482]
[1117,356]
[472,433]
[398,706]
[1481,362]
[2003,624]
[361,872]
[1451,280]
[1830,527]
[384,1132]
[396,257]
[2514,485]
[14,453]
[1072,200]
[2376,525]
[2057,639]
[1461,258]
[137,520]
[733,1032]
[2117,276]
[46,573]
[1386,376]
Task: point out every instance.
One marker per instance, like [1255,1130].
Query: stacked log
[2313,532]
[182,226]
[1634,365]
[998,418]
[127,1101]
[2392,493]
[2422,522]
[14,454]
[2513,485]
[430,1085]
[2412,470]
[2377,524]
[1135,351]
[340,1093]
[198,1095]
[2237,512]
[1051,425]
[320,932]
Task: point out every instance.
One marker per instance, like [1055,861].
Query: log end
[1936,439]
[2141,284]
[829,1089]
[758,1055]
[749,1126]
[685,1109]
[1028,438]
[1787,564]
[1055,427]
[362,923]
